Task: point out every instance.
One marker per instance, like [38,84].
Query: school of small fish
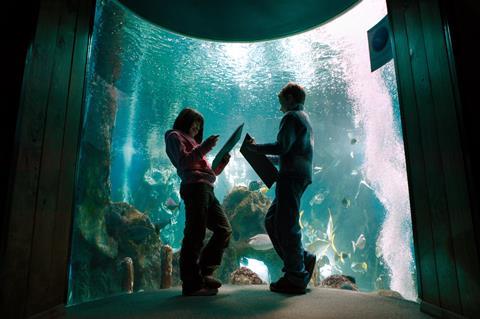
[172,205]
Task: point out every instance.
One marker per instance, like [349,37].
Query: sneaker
[204,291]
[310,261]
[212,282]
[283,285]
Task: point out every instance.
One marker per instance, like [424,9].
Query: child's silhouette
[187,152]
[294,148]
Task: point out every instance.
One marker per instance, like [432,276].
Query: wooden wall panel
[447,256]
[30,132]
[461,22]
[422,228]
[66,187]
[452,159]
[34,268]
[445,265]
[17,38]
[42,257]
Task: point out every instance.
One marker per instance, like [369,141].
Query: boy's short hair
[295,90]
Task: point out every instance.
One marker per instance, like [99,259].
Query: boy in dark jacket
[294,150]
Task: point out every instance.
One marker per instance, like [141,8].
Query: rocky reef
[246,210]
[128,260]
[115,247]
[339,282]
[388,293]
[245,276]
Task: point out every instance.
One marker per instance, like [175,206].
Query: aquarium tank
[129,217]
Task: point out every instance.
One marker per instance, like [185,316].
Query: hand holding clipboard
[229,144]
[259,162]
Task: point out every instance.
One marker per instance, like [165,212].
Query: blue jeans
[282,225]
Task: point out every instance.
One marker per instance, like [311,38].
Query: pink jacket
[188,157]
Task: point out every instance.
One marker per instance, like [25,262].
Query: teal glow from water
[359,159]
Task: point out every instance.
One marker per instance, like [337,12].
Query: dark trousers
[282,225]
[202,210]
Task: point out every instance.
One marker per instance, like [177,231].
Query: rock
[236,196]
[90,226]
[176,268]
[246,211]
[124,223]
[339,282]
[245,276]
[118,244]
[125,267]
[389,293]
[167,262]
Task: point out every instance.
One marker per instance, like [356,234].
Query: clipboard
[260,164]
[229,145]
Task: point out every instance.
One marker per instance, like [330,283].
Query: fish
[341,257]
[321,247]
[317,169]
[317,199]
[171,204]
[363,183]
[360,267]
[263,189]
[378,251]
[380,282]
[254,185]
[257,186]
[353,139]
[346,202]
[323,261]
[360,243]
[300,219]
[260,242]
[330,229]
[318,247]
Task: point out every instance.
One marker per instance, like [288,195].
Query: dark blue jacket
[294,145]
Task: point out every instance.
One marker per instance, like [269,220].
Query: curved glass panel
[128,207]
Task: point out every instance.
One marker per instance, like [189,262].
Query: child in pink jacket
[187,151]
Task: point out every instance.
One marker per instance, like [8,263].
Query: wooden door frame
[430,104]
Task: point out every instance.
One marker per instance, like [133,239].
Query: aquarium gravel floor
[248,302]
